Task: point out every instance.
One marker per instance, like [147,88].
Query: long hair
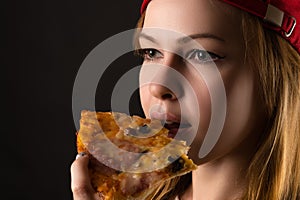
[274,171]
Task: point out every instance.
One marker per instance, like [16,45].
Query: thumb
[80,180]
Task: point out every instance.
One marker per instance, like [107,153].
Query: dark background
[45,42]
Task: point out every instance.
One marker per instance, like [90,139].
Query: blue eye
[202,56]
[150,54]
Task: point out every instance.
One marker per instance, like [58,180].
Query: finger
[80,181]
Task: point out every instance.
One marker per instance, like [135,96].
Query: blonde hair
[274,171]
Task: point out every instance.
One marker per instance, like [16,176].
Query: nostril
[161,92]
[168,96]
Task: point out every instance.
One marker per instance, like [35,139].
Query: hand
[80,180]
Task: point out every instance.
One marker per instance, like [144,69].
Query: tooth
[169,122]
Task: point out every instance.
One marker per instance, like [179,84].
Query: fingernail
[81,154]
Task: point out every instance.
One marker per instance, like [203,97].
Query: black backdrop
[45,42]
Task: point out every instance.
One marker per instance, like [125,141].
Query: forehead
[194,16]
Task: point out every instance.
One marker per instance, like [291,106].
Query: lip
[171,122]
[174,128]
[165,117]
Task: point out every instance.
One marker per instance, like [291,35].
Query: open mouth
[171,122]
[174,127]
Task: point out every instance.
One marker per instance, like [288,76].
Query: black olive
[144,129]
[177,165]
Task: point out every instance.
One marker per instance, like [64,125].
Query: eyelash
[208,56]
[150,54]
[146,54]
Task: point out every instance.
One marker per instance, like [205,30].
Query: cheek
[238,133]
[145,100]
[242,104]
[202,123]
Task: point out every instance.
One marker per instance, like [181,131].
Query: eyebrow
[200,35]
[147,37]
[187,38]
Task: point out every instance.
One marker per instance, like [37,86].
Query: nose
[161,92]
[167,84]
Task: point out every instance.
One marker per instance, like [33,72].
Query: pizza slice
[130,157]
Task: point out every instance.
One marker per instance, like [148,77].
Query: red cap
[282,16]
[144,5]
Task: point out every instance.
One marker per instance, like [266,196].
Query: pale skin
[216,27]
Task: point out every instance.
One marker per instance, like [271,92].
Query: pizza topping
[177,165]
[144,129]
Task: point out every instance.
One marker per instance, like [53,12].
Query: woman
[257,155]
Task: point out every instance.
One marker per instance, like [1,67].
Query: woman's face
[193,51]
